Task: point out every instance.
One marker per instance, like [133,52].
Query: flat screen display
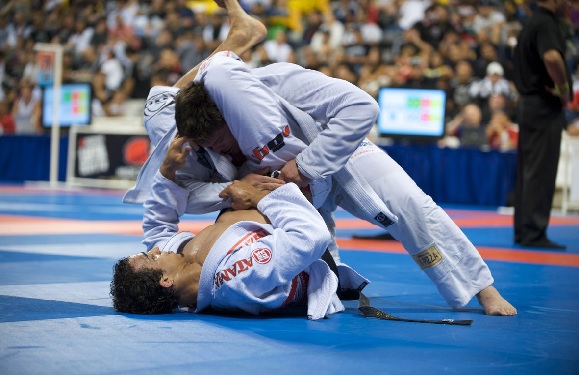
[411,113]
[74,105]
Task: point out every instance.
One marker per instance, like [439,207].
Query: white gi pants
[427,233]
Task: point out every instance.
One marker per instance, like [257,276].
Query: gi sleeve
[261,276]
[345,113]
[159,112]
[163,209]
[203,185]
[299,229]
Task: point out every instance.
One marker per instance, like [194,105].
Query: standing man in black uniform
[544,84]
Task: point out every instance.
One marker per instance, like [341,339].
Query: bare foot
[245,30]
[493,303]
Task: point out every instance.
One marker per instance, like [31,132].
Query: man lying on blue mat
[261,256]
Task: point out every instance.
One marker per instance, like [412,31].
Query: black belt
[372,312]
[343,294]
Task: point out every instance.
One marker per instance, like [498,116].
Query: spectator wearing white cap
[494,83]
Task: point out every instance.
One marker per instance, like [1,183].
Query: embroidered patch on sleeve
[156,103]
[383,219]
[428,258]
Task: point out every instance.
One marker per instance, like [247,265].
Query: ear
[166,281]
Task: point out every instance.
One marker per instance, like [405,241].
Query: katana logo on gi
[261,256]
[275,144]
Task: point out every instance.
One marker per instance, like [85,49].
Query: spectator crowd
[123,47]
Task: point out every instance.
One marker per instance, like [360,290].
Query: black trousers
[541,121]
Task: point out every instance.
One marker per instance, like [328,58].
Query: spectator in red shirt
[6,120]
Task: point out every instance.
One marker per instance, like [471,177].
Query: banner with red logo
[110,156]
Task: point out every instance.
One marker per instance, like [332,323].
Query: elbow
[552,57]
[368,106]
[375,110]
[371,111]
[361,110]
[313,241]
[350,95]
[366,100]
[327,239]
[322,239]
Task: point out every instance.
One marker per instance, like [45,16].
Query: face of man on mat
[155,282]
[156,259]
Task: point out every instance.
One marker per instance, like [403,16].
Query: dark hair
[196,115]
[139,292]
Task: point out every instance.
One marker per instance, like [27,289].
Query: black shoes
[544,243]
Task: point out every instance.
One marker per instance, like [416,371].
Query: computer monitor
[74,105]
[413,114]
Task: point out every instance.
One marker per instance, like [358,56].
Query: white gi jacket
[256,267]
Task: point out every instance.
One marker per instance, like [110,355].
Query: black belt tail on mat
[372,312]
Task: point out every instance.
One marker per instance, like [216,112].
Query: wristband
[562,90]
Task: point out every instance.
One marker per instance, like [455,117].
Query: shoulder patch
[383,219]
[157,102]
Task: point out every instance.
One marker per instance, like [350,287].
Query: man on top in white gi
[322,132]
[256,258]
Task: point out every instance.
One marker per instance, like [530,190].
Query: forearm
[288,210]
[344,113]
[204,196]
[333,146]
[182,166]
[452,125]
[295,238]
[555,66]
[163,209]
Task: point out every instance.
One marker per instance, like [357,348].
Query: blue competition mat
[57,249]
